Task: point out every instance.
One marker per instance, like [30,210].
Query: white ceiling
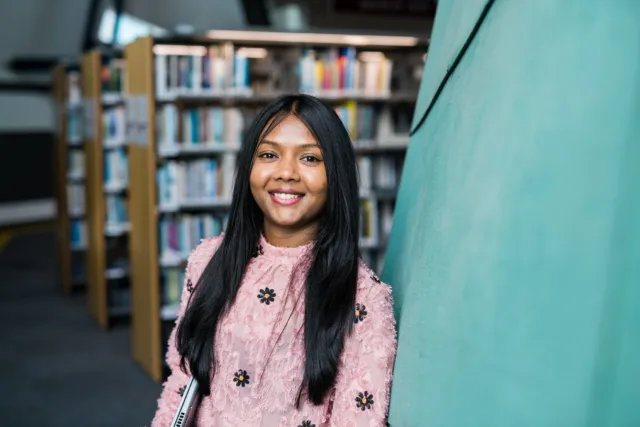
[56,27]
[40,27]
[201,14]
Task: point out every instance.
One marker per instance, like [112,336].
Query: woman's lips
[285,199]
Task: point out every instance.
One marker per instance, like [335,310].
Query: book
[339,71]
[116,169]
[216,69]
[180,234]
[76,199]
[199,127]
[112,78]
[78,234]
[113,127]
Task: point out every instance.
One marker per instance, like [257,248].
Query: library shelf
[108,291]
[69,177]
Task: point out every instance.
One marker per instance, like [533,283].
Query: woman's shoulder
[207,246]
[369,283]
[374,308]
[201,255]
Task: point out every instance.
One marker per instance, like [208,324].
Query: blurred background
[119,124]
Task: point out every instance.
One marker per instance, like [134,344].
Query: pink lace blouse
[258,375]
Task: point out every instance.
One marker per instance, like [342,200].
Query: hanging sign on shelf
[137,119]
[89,119]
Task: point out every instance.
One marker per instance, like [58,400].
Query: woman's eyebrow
[312,145]
[268,142]
[302,146]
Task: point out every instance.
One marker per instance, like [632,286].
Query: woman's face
[288,178]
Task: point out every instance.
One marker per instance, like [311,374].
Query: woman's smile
[285,197]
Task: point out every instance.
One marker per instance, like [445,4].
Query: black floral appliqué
[364,400]
[258,251]
[181,390]
[190,287]
[266,295]
[307,423]
[360,313]
[241,378]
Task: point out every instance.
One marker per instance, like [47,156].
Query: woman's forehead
[290,131]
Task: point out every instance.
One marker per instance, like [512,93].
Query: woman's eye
[267,156]
[311,159]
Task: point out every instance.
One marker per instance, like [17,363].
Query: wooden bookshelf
[70,216]
[145,296]
[191,126]
[105,235]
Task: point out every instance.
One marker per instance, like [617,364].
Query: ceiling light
[311,38]
[174,49]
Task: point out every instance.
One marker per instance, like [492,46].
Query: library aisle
[59,367]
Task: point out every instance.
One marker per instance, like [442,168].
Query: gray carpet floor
[57,367]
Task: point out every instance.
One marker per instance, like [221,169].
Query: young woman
[281,322]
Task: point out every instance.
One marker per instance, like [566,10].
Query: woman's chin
[293,224]
[285,221]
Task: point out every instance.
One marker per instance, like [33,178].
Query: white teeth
[286,196]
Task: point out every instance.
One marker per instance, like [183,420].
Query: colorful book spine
[116,209]
[206,126]
[215,69]
[339,70]
[116,169]
[180,234]
[113,126]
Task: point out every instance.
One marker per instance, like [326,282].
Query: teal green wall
[515,250]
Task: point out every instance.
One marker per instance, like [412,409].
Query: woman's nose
[287,168]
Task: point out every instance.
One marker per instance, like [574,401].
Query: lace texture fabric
[260,350]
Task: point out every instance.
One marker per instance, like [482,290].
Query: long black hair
[331,279]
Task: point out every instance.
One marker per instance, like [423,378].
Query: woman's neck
[277,236]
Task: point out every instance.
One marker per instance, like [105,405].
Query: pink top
[246,391]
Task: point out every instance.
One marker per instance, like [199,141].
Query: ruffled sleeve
[363,385]
[177,380]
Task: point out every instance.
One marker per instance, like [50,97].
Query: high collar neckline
[282,252]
